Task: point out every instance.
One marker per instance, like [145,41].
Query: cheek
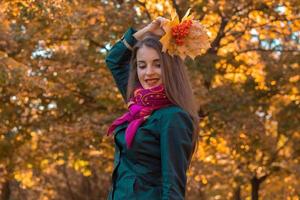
[159,71]
[140,73]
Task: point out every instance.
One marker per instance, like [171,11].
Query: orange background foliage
[57,97]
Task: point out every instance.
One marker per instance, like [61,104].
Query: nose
[149,70]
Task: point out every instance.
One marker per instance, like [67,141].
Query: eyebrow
[155,60]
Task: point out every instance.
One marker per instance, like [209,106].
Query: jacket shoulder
[174,116]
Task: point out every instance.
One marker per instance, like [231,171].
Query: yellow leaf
[195,43]
[186,16]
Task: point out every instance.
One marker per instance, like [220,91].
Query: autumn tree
[57,97]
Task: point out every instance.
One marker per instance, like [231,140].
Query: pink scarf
[140,106]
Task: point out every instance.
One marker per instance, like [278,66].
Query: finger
[156,21]
[162,20]
[161,32]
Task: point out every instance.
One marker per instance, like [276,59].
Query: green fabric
[155,167]
[118,60]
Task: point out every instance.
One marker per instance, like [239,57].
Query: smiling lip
[151,81]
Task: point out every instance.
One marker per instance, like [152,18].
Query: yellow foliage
[236,77]
[71,38]
[258,16]
[293,198]
[25,178]
[217,81]
[212,141]
[78,164]
[108,169]
[200,154]
[239,74]
[294,79]
[96,152]
[34,140]
[44,163]
[258,155]
[60,162]
[195,43]
[295,90]
[282,140]
[243,136]
[204,180]
[82,166]
[245,147]
[197,178]
[271,127]
[86,172]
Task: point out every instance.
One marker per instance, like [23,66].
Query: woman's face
[148,67]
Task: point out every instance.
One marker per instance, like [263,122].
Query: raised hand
[154,27]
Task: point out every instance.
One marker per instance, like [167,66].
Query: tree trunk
[254,188]
[6,192]
[255,184]
[86,188]
[69,187]
[237,193]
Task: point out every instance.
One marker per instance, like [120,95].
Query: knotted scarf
[140,106]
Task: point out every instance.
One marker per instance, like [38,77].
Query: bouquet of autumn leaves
[184,38]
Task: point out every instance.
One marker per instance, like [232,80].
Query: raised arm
[118,58]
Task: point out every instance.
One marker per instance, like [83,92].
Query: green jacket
[155,166]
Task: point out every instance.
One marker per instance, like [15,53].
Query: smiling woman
[148,67]
[155,139]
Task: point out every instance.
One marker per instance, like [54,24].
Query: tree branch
[146,10]
[268,50]
[176,6]
[216,43]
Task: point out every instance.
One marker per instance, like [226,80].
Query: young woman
[155,139]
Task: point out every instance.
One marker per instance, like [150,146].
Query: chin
[146,86]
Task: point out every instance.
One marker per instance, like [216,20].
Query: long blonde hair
[174,78]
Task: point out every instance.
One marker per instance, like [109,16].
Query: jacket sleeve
[176,147]
[118,58]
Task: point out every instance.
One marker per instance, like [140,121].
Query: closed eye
[157,65]
[142,66]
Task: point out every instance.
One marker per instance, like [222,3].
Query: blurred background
[57,97]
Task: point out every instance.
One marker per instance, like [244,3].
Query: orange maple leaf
[194,44]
